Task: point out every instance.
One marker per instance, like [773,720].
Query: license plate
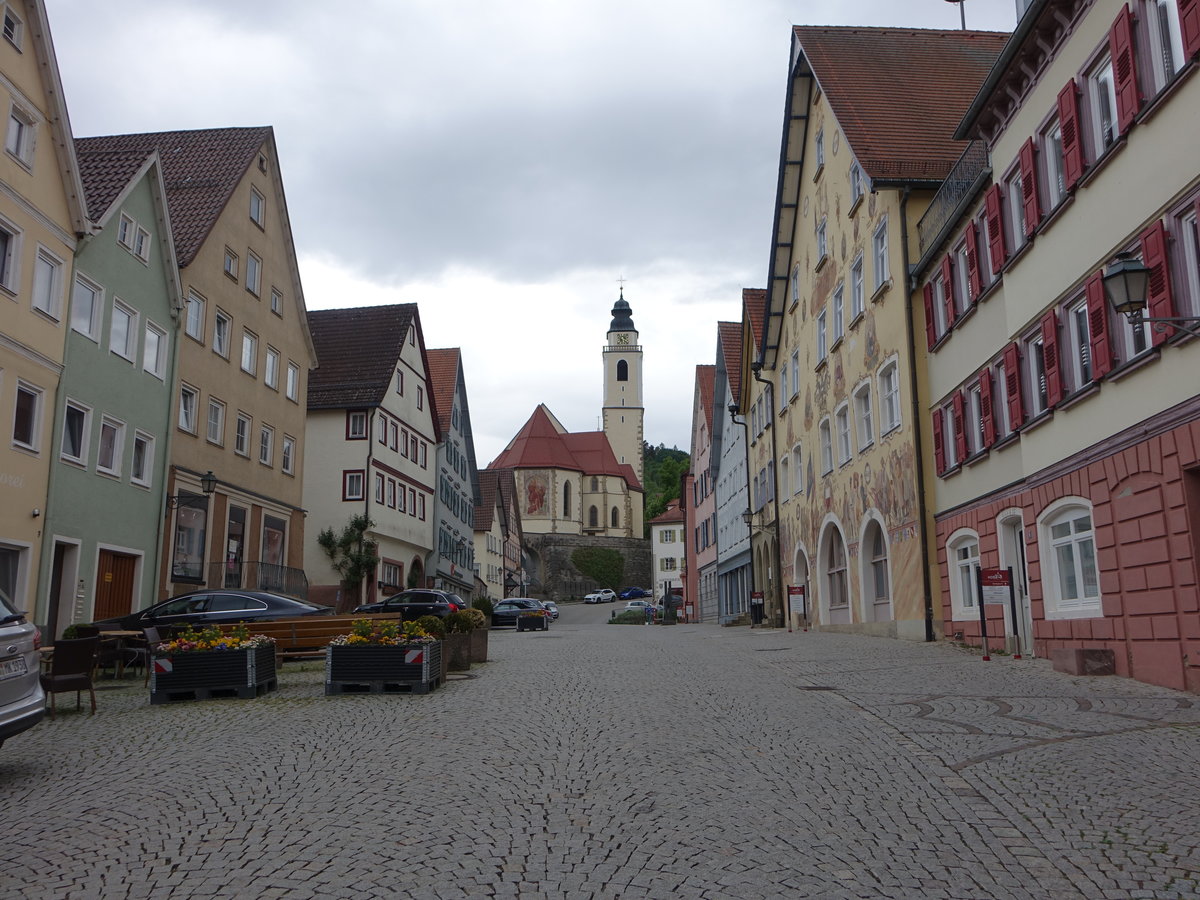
[12,668]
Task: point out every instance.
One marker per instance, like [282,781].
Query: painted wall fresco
[536,491]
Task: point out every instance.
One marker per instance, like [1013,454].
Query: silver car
[552,606]
[22,702]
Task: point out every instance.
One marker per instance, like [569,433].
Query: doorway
[235,546]
[115,576]
[1012,554]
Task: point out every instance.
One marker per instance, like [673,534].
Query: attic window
[14,28]
[262,162]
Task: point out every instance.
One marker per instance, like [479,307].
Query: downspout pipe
[917,417]
[756,369]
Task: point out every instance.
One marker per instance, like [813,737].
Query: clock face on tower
[623,338]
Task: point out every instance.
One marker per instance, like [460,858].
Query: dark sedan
[215,607]
[413,604]
[506,611]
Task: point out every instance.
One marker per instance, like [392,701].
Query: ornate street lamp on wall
[208,484]
[1126,284]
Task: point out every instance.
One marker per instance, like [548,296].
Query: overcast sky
[501,163]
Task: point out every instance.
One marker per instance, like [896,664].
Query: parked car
[417,602]
[22,702]
[604,595]
[639,605]
[506,611]
[552,606]
[633,593]
[215,606]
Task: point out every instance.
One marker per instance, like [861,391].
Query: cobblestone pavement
[625,761]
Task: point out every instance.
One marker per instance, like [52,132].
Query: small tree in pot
[352,555]
[459,626]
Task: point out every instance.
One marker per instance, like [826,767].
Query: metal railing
[962,178]
[258,576]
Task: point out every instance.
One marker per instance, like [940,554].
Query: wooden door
[114,585]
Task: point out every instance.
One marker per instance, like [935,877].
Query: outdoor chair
[71,669]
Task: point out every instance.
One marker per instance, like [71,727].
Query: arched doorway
[875,577]
[834,575]
[803,605]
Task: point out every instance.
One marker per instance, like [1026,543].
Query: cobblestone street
[597,761]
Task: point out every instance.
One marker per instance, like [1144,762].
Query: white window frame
[825,430]
[1188,245]
[127,348]
[1000,417]
[288,458]
[253,273]
[857,186]
[249,361]
[352,484]
[797,470]
[962,556]
[1079,344]
[276,302]
[144,477]
[1063,510]
[839,312]
[949,444]
[879,255]
[46,295]
[889,393]
[293,382]
[222,332]
[271,373]
[795,373]
[116,427]
[1052,165]
[214,429]
[126,227]
[1101,95]
[822,243]
[10,256]
[1013,216]
[1161,20]
[230,264]
[38,396]
[973,427]
[845,440]
[858,300]
[243,425]
[194,317]
[266,445]
[154,358]
[14,28]
[187,420]
[85,435]
[819,152]
[962,280]
[1038,393]
[20,136]
[91,328]
[258,207]
[822,342]
[864,416]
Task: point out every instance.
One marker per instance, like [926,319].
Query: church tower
[623,412]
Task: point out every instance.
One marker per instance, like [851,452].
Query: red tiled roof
[542,444]
[200,169]
[672,515]
[705,379]
[497,489]
[443,382]
[105,174]
[358,349]
[729,337]
[754,303]
[899,94]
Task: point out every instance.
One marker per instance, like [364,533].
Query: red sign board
[994,577]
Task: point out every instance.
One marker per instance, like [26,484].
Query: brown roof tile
[105,174]
[358,349]
[443,381]
[754,301]
[673,514]
[705,378]
[200,169]
[899,94]
[729,336]
[541,444]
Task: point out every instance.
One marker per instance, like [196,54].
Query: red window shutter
[1030,200]
[1189,26]
[1054,389]
[1012,385]
[1097,308]
[995,225]
[1159,299]
[974,276]
[1072,141]
[960,426]
[1120,47]
[939,449]
[985,408]
[930,321]
[948,288]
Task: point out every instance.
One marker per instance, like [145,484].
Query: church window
[622,370]
[595,483]
[616,518]
[567,500]
[593,517]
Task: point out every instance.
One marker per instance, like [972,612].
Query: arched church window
[593,517]
[616,518]
[595,483]
[567,500]
[622,370]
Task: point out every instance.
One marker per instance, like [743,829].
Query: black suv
[413,604]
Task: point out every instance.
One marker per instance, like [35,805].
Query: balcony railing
[958,184]
[258,576]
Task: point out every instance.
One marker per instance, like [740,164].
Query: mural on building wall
[870,344]
[535,494]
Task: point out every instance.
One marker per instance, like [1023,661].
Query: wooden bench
[306,637]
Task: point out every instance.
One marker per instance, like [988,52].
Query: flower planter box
[533,621]
[213,673]
[479,645]
[372,669]
[457,648]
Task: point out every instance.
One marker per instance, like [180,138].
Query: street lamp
[1126,283]
[748,518]
[208,484]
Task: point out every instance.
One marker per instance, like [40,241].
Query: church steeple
[623,412]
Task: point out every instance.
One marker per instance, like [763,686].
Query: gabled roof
[900,94]
[705,378]
[543,444]
[358,349]
[672,515]
[497,495]
[754,301]
[106,174]
[443,382]
[729,337]
[201,169]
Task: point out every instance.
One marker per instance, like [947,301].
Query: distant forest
[663,470]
